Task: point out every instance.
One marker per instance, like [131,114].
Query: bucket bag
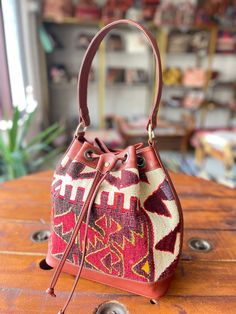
[116,218]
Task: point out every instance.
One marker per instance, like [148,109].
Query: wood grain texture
[204,282]
[35,302]
[21,269]
[16,237]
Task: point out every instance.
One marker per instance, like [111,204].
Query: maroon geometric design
[154,203]
[167,243]
[96,259]
[127,178]
[169,270]
[144,267]
[76,171]
[120,237]
[143,177]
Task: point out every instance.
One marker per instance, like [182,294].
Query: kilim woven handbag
[116,218]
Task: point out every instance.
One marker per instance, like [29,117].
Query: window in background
[13,48]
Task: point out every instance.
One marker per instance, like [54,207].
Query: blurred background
[42,44]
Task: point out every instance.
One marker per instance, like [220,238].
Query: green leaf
[19,164]
[13,130]
[20,169]
[4,150]
[40,137]
[25,129]
[6,162]
[37,147]
[42,160]
[54,135]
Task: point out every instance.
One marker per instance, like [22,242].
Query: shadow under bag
[116,218]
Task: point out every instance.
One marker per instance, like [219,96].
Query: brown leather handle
[86,65]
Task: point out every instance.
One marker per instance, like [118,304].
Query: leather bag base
[151,290]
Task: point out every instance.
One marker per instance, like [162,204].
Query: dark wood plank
[204,219]
[223,245]
[40,211]
[29,301]
[23,271]
[204,282]
[209,204]
[28,210]
[16,237]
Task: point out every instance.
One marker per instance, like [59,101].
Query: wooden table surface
[204,282]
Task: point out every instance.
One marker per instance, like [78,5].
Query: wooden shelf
[68,85]
[125,85]
[230,84]
[161,33]
[183,87]
[210,86]
[224,54]
[72,21]
[184,53]
[97,23]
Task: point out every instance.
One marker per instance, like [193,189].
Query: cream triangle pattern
[164,259]
[161,225]
[132,190]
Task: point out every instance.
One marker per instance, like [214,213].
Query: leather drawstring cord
[87,206]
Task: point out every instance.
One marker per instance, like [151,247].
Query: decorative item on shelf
[193,100]
[149,8]
[179,42]
[194,77]
[74,77]
[200,41]
[87,10]
[229,16]
[165,14]
[46,40]
[115,42]
[83,40]
[58,73]
[226,42]
[214,78]
[57,10]
[136,76]
[134,12]
[115,9]
[172,76]
[135,43]
[185,13]
[191,41]
[209,12]
[115,75]
[173,101]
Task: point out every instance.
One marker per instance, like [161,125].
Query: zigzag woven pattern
[134,227]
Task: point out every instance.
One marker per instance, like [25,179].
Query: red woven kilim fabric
[134,227]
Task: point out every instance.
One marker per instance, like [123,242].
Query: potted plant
[20,152]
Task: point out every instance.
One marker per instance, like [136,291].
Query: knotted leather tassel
[58,270]
[50,291]
[98,179]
